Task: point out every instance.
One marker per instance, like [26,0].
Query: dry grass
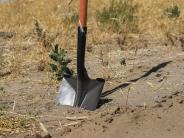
[59,20]
[12,124]
[153,21]
[56,18]
[19,16]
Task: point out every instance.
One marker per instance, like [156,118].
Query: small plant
[39,31]
[173,11]
[119,12]
[60,65]
[3,107]
[57,55]
[46,40]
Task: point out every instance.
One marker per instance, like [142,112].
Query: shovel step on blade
[91,92]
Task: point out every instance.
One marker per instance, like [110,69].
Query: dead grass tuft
[15,124]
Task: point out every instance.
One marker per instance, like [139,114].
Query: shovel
[81,91]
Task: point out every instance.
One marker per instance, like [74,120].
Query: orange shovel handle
[83,13]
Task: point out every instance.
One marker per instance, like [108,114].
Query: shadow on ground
[103,101]
[124,85]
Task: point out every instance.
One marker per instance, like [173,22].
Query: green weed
[3,107]
[60,62]
[118,13]
[173,11]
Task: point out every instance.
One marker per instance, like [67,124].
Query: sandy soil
[143,98]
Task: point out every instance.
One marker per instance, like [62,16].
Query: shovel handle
[83,13]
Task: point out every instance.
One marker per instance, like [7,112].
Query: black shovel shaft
[81,70]
[81,47]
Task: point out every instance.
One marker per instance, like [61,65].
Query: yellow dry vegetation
[15,124]
[152,19]
[19,17]
[59,19]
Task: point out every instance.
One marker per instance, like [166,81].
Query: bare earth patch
[142,98]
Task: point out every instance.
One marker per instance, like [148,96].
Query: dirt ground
[143,97]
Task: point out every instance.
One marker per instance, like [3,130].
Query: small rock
[168,129]
[117,111]
[181,101]
[2,89]
[41,65]
[65,130]
[139,66]
[89,48]
[109,120]
[163,101]
[123,61]
[136,117]
[164,97]
[170,105]
[158,105]
[103,126]
[160,80]
[24,48]
[43,135]
[170,97]
[176,93]
[158,75]
[131,70]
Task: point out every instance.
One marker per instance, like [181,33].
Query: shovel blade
[91,90]
[67,91]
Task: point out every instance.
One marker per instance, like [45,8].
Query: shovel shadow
[103,101]
[124,85]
